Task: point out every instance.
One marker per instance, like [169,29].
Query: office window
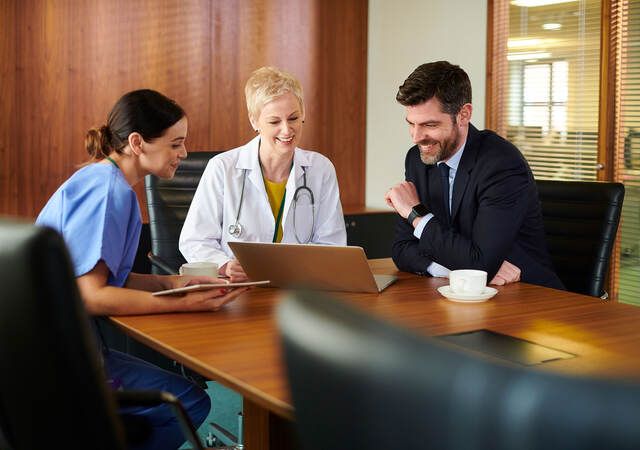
[597,134]
[545,92]
[538,102]
[550,67]
[588,127]
[538,94]
[626,19]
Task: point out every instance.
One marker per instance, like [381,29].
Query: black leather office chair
[581,221]
[168,203]
[52,387]
[358,383]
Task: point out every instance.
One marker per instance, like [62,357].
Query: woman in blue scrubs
[97,213]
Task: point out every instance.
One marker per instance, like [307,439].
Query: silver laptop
[326,267]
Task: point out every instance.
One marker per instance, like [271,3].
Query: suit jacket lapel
[464,169]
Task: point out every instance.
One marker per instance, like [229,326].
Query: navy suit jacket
[495,214]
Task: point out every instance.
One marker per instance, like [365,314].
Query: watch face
[421,210]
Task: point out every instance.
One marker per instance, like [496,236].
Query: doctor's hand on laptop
[234,270]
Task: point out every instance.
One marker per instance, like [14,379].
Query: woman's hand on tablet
[190,280]
[211,300]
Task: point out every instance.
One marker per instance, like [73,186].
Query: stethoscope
[235,229]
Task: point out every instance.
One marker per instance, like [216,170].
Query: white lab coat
[205,233]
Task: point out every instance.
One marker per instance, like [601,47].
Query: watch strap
[411,217]
[418,210]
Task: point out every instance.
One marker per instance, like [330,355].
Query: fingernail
[223,291]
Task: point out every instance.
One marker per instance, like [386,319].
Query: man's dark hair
[442,80]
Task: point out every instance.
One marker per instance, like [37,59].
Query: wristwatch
[418,210]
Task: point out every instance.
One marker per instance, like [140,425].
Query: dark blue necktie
[444,174]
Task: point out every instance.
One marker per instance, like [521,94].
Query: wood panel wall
[64,64]
[8,135]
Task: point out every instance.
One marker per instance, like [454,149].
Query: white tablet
[204,287]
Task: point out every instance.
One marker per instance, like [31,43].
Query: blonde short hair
[268,83]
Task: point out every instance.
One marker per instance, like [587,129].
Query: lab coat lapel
[248,159]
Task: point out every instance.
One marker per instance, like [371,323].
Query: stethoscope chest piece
[235,230]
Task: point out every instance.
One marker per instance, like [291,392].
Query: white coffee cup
[200,269]
[468,281]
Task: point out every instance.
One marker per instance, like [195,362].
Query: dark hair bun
[98,142]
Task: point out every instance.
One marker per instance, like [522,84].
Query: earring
[257,131]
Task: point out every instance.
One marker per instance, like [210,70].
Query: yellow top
[275,192]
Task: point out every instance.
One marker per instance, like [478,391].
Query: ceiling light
[516,43]
[534,3]
[527,55]
[551,26]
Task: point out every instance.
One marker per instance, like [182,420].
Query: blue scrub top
[96,211]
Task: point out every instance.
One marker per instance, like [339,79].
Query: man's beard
[447,148]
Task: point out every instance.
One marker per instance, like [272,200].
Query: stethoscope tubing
[235,229]
[304,187]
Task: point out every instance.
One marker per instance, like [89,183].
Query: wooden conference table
[239,346]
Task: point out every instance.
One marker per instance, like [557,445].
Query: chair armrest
[160,264]
[155,398]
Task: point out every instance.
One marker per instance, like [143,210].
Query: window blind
[543,86]
[626,25]
[553,60]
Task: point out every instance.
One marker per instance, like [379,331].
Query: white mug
[468,281]
[200,269]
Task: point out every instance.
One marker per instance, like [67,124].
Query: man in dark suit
[469,200]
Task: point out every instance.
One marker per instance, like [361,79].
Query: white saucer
[468,298]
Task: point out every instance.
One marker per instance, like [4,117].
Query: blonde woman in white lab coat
[268,190]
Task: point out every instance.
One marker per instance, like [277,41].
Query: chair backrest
[358,382]
[581,221]
[52,386]
[168,202]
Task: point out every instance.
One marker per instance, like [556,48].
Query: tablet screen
[204,287]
